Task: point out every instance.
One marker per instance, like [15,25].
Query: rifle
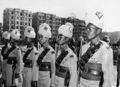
[78,65]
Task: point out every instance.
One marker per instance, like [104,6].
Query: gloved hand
[34,84]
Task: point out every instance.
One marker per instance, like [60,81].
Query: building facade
[52,20]
[14,18]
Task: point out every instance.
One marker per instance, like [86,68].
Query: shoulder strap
[41,56]
[89,53]
[9,51]
[26,54]
[61,57]
[3,49]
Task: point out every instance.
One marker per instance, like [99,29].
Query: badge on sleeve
[71,56]
[52,52]
[36,53]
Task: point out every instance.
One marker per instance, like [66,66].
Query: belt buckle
[94,72]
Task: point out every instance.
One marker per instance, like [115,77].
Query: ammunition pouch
[45,66]
[34,84]
[11,60]
[28,63]
[17,75]
[63,72]
[92,72]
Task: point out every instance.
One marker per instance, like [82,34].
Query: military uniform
[30,72]
[4,61]
[93,72]
[46,62]
[66,69]
[14,67]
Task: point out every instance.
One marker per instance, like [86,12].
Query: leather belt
[28,65]
[11,60]
[45,66]
[92,72]
[61,71]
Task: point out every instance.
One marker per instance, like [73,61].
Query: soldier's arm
[52,68]
[35,65]
[73,71]
[19,60]
[107,67]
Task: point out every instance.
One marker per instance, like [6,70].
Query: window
[17,27]
[29,24]
[30,15]
[12,17]
[21,23]
[25,23]
[12,22]
[21,14]
[17,22]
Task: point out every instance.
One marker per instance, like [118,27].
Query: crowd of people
[58,65]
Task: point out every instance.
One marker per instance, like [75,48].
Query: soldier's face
[91,31]
[42,39]
[62,39]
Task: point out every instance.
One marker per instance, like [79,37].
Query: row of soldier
[46,67]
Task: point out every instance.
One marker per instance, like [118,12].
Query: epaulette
[18,48]
[108,47]
[52,52]
[71,56]
[36,53]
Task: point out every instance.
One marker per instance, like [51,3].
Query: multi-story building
[14,18]
[52,20]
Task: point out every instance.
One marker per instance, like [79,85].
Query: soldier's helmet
[6,35]
[29,32]
[15,34]
[45,30]
[95,19]
[66,30]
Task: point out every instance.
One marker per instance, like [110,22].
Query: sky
[65,8]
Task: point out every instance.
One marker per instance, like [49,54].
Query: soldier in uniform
[14,62]
[46,58]
[6,40]
[66,62]
[96,62]
[30,72]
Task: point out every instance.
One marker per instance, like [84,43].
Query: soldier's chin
[89,38]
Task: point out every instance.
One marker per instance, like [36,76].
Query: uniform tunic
[30,71]
[103,56]
[4,60]
[46,77]
[14,66]
[70,61]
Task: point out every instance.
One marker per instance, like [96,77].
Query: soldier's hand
[52,85]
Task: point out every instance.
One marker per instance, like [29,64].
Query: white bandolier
[66,61]
[96,62]
[6,40]
[30,71]
[14,62]
[46,58]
